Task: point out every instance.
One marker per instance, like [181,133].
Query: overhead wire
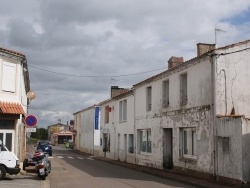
[96,76]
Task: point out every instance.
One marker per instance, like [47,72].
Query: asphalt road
[70,169]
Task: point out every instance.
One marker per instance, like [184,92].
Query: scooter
[42,164]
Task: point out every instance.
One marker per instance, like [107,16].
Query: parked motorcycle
[42,164]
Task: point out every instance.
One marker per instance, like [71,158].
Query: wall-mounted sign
[97,111]
[30,130]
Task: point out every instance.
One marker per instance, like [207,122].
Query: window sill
[189,159]
[122,121]
[145,153]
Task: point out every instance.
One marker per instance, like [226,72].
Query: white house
[117,127]
[14,86]
[194,116]
[108,129]
[95,128]
[87,126]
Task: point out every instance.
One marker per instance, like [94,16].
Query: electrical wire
[101,76]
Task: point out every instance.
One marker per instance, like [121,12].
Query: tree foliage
[41,134]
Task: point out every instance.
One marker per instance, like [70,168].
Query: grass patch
[32,140]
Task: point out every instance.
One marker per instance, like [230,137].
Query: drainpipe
[135,132]
[213,60]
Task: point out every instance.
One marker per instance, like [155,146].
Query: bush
[32,140]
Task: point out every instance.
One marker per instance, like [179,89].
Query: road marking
[90,159]
[60,157]
[70,157]
[50,157]
[79,158]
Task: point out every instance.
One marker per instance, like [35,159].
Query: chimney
[115,91]
[202,48]
[174,61]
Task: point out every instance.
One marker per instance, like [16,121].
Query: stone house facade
[191,118]
[185,117]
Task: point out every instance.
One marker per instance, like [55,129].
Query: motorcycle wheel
[49,167]
[43,177]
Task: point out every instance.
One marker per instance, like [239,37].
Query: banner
[97,109]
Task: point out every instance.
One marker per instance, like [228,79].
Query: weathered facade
[14,86]
[176,115]
[88,136]
[117,127]
[191,118]
[169,107]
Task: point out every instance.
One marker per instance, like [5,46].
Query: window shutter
[9,77]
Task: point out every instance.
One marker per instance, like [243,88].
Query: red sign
[30,120]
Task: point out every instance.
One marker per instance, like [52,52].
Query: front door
[167,148]
[125,146]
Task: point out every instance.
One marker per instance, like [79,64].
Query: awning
[11,108]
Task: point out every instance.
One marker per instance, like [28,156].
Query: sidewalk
[25,179]
[203,183]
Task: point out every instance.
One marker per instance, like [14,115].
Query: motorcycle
[42,164]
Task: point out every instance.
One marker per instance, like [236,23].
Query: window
[107,110]
[189,140]
[145,140]
[131,143]
[123,110]
[183,89]
[165,94]
[149,98]
[9,77]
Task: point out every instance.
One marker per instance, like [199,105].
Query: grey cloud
[22,34]
[93,38]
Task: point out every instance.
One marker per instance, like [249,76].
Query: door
[7,137]
[125,146]
[118,149]
[105,144]
[167,148]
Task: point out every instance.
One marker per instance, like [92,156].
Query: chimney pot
[115,91]
[174,61]
[203,48]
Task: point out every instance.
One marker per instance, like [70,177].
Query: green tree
[41,134]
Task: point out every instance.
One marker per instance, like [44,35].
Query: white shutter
[9,77]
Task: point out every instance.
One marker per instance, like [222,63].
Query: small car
[45,146]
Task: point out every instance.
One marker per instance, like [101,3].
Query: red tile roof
[11,51]
[11,108]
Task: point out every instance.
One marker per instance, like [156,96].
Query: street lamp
[31,95]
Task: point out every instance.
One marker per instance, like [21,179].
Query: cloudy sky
[77,49]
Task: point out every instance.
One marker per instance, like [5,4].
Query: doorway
[106,143]
[168,148]
[125,147]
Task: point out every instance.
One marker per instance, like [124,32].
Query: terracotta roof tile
[11,51]
[11,108]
